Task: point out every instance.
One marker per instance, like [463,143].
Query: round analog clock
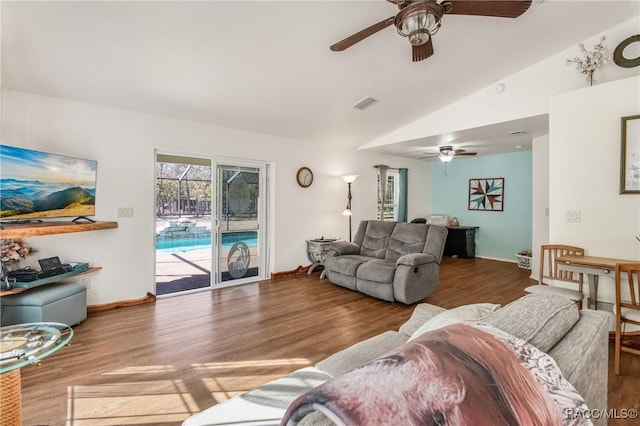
[304,176]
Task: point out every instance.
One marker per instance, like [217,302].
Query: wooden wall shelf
[20,287]
[25,230]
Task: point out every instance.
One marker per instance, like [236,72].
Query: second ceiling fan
[419,20]
[446,153]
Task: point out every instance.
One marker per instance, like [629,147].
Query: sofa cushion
[377,270]
[421,314]
[472,312]
[539,319]
[361,352]
[346,265]
[406,238]
[376,238]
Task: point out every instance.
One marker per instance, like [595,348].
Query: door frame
[267,220]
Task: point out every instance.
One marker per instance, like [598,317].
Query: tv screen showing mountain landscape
[35,185]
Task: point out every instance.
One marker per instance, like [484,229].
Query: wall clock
[304,176]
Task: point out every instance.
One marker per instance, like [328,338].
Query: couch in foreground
[392,261]
[576,340]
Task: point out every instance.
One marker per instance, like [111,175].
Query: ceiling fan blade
[498,8]
[429,156]
[422,51]
[361,35]
[465,154]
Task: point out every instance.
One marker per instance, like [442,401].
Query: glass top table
[25,344]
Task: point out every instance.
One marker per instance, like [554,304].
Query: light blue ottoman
[65,303]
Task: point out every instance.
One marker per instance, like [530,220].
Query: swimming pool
[190,244]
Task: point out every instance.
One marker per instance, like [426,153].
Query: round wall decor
[618,54]
[304,177]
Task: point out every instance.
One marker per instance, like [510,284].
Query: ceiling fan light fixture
[445,158]
[419,21]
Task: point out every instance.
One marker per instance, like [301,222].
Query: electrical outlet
[86,282]
[125,211]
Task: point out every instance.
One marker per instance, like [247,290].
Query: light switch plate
[125,211]
[573,216]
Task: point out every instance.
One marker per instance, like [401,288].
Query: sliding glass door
[210,223]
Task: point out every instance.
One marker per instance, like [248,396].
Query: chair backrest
[630,271]
[548,268]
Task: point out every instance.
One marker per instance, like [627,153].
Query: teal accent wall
[501,234]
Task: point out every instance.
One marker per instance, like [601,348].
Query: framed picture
[486,194]
[630,158]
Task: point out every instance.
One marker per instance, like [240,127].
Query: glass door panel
[239,218]
[183,224]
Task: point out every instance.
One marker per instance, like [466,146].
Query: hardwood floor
[160,363]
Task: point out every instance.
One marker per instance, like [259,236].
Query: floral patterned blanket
[462,374]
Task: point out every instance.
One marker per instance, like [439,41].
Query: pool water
[190,244]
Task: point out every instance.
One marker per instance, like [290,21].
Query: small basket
[524,262]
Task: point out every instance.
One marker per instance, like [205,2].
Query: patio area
[190,270]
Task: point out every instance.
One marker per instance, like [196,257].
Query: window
[392,191]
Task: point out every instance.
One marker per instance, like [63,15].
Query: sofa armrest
[342,248]
[415,259]
[583,358]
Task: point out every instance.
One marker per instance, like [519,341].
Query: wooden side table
[317,251]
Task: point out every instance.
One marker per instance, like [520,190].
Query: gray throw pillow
[539,319]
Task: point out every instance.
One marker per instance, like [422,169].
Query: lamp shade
[349,178]
[445,158]
[346,212]
[419,20]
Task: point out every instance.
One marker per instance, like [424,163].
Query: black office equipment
[51,266]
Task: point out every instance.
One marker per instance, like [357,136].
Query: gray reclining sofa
[393,261]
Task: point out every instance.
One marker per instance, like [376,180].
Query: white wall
[540,199]
[526,92]
[123,143]
[584,173]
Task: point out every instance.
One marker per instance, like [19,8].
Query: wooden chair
[549,271]
[627,312]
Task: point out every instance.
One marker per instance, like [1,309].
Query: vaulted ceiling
[265,66]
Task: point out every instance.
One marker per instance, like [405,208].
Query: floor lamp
[347,211]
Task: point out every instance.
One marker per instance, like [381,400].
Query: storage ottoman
[65,303]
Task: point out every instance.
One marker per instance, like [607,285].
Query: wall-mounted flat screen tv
[41,185]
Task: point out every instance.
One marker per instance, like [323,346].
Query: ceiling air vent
[366,102]
[518,133]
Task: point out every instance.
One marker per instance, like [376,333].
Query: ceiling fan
[447,153]
[419,20]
